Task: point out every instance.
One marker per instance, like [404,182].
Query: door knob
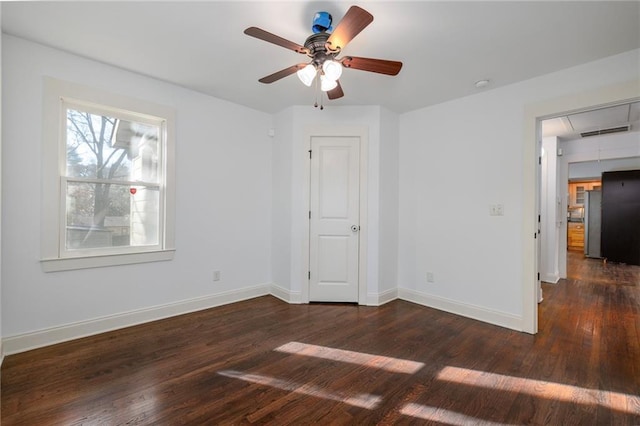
[355,228]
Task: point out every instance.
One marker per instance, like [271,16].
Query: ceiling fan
[324,47]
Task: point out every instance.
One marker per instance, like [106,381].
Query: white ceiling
[445,46]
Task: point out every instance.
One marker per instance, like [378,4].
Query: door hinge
[309,154]
[535,235]
[539,160]
[309,275]
[538,276]
[538,218]
[309,214]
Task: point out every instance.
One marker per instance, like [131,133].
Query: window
[111,183]
[108,171]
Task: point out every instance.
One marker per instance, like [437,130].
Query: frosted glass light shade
[332,69]
[307,74]
[327,84]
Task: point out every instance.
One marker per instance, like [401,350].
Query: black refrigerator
[621,216]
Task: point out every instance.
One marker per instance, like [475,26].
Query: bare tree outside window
[110,164]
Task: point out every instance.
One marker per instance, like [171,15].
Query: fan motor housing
[316,43]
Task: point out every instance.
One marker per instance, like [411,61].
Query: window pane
[111,215]
[102,147]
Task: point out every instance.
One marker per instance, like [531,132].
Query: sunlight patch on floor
[539,388]
[441,415]
[393,365]
[363,400]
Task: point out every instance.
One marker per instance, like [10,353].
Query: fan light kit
[323,47]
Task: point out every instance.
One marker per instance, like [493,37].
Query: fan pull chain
[315,104]
[318,90]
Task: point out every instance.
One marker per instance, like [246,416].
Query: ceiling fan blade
[281,74]
[381,66]
[354,21]
[272,38]
[336,92]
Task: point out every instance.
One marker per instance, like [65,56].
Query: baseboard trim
[27,341]
[51,336]
[293,297]
[501,319]
[551,278]
[379,299]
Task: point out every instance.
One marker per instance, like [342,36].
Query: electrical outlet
[496,209]
[216,275]
[430,278]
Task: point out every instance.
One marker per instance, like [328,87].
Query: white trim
[550,278]
[72,263]
[378,299]
[533,114]
[363,282]
[50,336]
[55,93]
[27,341]
[338,131]
[479,313]
[286,295]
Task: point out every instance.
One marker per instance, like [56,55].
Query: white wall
[458,157]
[389,203]
[282,184]
[605,147]
[223,202]
[550,212]
[594,169]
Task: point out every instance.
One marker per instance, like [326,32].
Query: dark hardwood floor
[266,362]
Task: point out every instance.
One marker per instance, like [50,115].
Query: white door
[334,219]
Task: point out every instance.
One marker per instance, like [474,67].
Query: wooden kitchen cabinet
[577,191]
[575,236]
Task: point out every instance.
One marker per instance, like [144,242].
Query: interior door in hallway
[334,219]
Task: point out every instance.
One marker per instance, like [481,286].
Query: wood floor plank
[263,361]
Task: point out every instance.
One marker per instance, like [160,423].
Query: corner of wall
[479,313]
[286,295]
[379,299]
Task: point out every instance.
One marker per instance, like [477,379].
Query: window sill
[69,264]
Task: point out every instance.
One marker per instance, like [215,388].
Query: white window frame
[58,96]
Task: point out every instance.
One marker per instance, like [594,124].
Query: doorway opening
[615,94]
[576,147]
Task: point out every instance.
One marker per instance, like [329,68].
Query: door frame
[338,131]
[533,115]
